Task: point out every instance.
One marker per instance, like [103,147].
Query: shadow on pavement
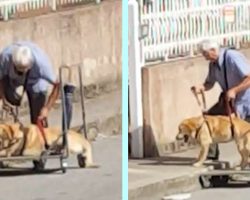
[233,185]
[169,160]
[26,171]
[184,161]
[21,171]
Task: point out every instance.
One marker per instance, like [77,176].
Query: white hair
[206,45]
[22,57]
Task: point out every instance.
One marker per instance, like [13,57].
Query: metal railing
[9,8]
[175,27]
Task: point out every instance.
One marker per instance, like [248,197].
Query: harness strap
[198,130]
[230,109]
[203,109]
[208,126]
[203,104]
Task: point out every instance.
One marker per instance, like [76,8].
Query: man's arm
[243,85]
[243,67]
[53,95]
[47,73]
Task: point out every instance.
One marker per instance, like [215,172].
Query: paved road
[103,183]
[222,194]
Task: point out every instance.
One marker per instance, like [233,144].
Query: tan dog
[29,142]
[216,129]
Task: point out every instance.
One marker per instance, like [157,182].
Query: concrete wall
[90,35]
[167,99]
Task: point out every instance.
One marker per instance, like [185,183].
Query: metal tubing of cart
[68,94]
[64,128]
[82,99]
[69,89]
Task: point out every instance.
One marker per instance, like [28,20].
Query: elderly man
[25,64]
[231,70]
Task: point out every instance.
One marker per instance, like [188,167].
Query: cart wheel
[224,179]
[205,181]
[81,161]
[64,165]
[3,165]
[218,181]
[40,164]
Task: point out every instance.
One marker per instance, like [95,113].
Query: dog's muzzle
[179,136]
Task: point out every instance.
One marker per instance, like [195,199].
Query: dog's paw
[92,166]
[197,164]
[243,166]
[237,168]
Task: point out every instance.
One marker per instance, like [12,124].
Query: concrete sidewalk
[151,179]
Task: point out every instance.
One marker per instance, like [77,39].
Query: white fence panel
[9,8]
[176,26]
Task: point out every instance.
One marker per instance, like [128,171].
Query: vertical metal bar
[69,89]
[16,117]
[5,12]
[53,5]
[82,99]
[64,116]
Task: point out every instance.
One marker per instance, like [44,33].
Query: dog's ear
[179,128]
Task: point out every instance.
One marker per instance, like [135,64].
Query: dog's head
[188,128]
[8,132]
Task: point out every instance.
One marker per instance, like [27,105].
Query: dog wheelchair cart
[67,91]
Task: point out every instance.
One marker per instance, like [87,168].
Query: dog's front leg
[202,156]
[244,153]
[244,158]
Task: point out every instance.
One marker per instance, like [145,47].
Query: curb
[181,184]
[158,190]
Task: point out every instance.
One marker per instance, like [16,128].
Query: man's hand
[44,113]
[231,94]
[197,89]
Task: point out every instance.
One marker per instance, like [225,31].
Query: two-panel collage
[124,99]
